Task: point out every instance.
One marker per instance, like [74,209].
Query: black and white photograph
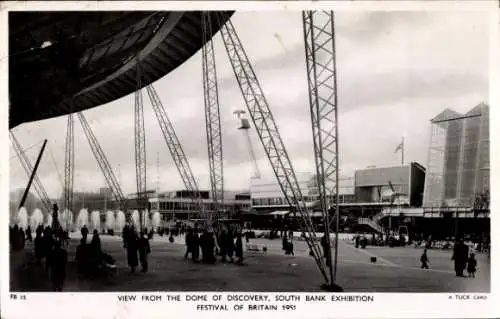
[294,151]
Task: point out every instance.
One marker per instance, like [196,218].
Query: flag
[400,147]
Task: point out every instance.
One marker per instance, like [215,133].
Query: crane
[28,168]
[245,127]
[270,137]
[103,163]
[175,148]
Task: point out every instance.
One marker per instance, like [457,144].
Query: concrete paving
[396,270]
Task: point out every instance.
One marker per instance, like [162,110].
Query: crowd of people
[227,243]
[92,261]
[18,237]
[49,247]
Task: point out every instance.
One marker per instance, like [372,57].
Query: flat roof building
[379,184]
[267,195]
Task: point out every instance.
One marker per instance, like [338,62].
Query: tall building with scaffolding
[458,168]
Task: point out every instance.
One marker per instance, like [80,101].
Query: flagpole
[403,152]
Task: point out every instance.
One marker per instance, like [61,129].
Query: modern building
[268,197]
[182,205]
[402,185]
[458,160]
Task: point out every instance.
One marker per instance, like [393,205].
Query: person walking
[424,260]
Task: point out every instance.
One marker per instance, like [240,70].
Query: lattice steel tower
[319,37]
[69,164]
[212,116]
[140,149]
[270,138]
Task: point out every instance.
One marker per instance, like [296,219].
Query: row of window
[276,201]
[194,206]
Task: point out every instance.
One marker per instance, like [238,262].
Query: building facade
[267,196]
[402,185]
[181,205]
[458,159]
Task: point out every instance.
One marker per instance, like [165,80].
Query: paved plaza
[396,270]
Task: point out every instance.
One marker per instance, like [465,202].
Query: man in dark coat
[207,244]
[229,245]
[84,231]
[58,260]
[239,248]
[39,246]
[195,249]
[82,257]
[144,251]
[222,244]
[48,244]
[325,244]
[284,244]
[460,256]
[29,236]
[189,243]
[21,238]
[211,247]
[125,233]
[95,249]
[132,259]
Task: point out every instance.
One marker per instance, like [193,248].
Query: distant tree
[481,201]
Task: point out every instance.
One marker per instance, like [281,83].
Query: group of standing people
[137,246]
[49,246]
[90,257]
[463,260]
[227,244]
[18,237]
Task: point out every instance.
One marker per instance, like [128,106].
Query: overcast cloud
[396,71]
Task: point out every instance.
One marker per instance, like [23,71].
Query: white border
[105,305]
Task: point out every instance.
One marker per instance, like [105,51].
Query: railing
[371,223]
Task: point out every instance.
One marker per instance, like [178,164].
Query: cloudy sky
[396,71]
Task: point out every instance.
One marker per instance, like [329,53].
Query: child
[424,260]
[471,265]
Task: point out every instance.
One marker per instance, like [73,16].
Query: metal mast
[267,130]
[69,164]
[28,168]
[140,150]
[319,38]
[175,147]
[103,163]
[212,115]
[33,174]
[157,172]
